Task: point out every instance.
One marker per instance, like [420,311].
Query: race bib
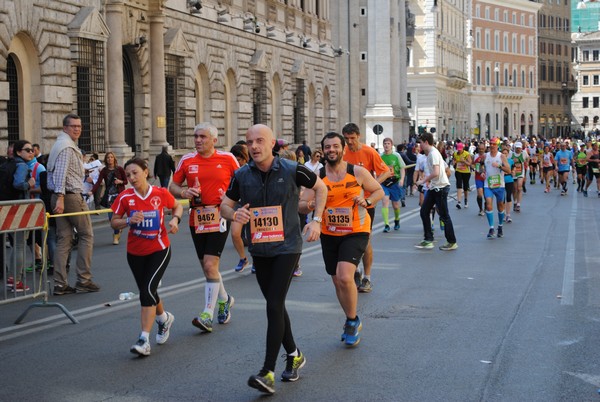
[207,219]
[563,161]
[266,224]
[461,166]
[518,168]
[534,159]
[339,220]
[494,181]
[149,228]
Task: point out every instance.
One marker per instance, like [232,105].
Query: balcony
[509,93]
[457,79]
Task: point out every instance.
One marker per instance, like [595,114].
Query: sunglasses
[30,150]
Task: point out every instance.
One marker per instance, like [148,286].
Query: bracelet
[127,220]
[234,212]
[178,219]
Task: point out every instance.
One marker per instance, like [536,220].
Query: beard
[333,159]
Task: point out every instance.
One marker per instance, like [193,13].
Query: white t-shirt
[314,167]
[435,159]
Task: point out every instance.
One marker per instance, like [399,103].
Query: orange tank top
[342,216]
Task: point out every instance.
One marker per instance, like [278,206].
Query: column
[114,93]
[158,106]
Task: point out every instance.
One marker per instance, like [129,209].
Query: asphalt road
[511,319]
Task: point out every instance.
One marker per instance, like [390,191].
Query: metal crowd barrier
[18,220]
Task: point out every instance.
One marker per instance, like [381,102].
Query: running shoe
[162,335]
[518,208]
[491,234]
[449,247]
[297,272]
[141,347]
[508,219]
[225,310]
[500,233]
[585,194]
[397,225]
[458,206]
[403,203]
[563,192]
[204,322]
[481,213]
[19,287]
[357,278]
[546,191]
[242,265]
[351,335]
[292,365]
[466,204]
[386,229]
[264,381]
[425,245]
[365,286]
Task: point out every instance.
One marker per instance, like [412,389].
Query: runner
[581,167]
[437,196]
[593,160]
[520,159]
[548,167]
[392,186]
[479,168]
[359,154]
[207,173]
[533,153]
[148,248]
[496,166]
[345,226]
[563,160]
[509,184]
[462,165]
[268,188]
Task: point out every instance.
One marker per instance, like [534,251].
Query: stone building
[438,71]
[556,81]
[586,101]
[503,68]
[142,73]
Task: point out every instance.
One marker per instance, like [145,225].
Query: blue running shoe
[351,335]
[242,265]
[225,310]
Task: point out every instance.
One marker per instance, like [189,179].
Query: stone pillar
[114,93]
[158,106]
[383,97]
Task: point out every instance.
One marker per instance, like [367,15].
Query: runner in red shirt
[360,154]
[207,173]
[148,249]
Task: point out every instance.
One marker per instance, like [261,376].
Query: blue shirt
[563,160]
[508,177]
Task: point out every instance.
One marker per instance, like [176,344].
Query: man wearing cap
[462,165]
[496,165]
[520,159]
[564,160]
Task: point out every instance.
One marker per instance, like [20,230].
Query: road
[511,319]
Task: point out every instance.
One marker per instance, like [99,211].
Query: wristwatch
[318,219]
[368,202]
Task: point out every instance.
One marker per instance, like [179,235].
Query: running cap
[460,146]
[518,145]
[495,141]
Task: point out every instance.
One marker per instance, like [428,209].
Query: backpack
[7,173]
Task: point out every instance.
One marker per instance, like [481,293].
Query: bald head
[260,141]
[264,130]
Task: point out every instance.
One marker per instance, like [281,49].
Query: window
[487,13]
[478,75]
[506,16]
[522,19]
[514,78]
[585,102]
[514,18]
[522,45]
[595,55]
[497,41]
[505,48]
[586,55]
[559,73]
[299,116]
[174,91]
[595,101]
[506,77]
[478,40]
[523,79]
[478,11]
[363,11]
[408,101]
[586,80]
[550,99]
[363,56]
[551,72]
[487,41]
[496,15]
[90,93]
[487,76]
[260,97]
[543,99]
[595,79]
[550,48]
[543,71]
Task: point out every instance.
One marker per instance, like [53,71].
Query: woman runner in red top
[148,247]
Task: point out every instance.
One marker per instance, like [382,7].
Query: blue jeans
[438,198]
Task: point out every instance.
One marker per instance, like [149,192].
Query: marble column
[158,106]
[114,94]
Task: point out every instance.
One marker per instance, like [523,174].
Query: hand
[242,215]
[59,208]
[136,218]
[31,182]
[361,201]
[312,230]
[174,225]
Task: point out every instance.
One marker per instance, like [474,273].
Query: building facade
[142,73]
[556,80]
[503,68]
[438,69]
[586,101]
[585,15]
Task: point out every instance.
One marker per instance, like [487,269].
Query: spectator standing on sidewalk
[65,179]
[164,166]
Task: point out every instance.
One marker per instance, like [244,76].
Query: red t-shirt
[368,158]
[214,174]
[151,235]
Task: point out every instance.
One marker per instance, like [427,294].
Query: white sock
[368,277]
[162,318]
[211,291]
[294,353]
[222,292]
[145,335]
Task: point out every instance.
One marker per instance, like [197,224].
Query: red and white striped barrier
[22,215]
